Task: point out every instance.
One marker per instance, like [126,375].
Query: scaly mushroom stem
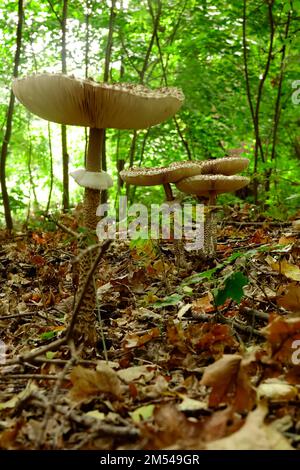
[85,330]
[168,192]
[93,163]
[209,225]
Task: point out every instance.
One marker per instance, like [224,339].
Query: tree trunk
[9,116]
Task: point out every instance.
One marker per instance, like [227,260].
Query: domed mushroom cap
[224,166]
[202,185]
[67,100]
[144,176]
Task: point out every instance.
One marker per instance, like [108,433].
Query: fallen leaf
[203,304]
[89,383]
[230,383]
[275,390]
[142,413]
[289,270]
[290,300]
[134,340]
[254,435]
[136,372]
[189,404]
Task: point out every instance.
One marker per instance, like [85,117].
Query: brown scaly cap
[202,185]
[139,176]
[67,100]
[144,176]
[179,170]
[224,166]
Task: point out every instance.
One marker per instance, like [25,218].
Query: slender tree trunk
[255,110]
[88,7]
[142,73]
[65,155]
[108,52]
[9,116]
[51,168]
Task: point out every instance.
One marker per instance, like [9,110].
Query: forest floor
[200,357]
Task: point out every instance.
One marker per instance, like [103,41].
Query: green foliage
[232,288]
[200,45]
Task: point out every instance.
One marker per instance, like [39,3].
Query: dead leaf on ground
[89,383]
[230,383]
[254,435]
[290,299]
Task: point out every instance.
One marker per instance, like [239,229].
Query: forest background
[237,62]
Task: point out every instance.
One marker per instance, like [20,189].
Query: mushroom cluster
[199,178]
[67,100]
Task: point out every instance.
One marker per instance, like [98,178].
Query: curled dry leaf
[89,383]
[290,299]
[134,340]
[254,435]
[289,270]
[229,383]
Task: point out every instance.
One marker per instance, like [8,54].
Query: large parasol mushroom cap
[224,166]
[202,185]
[68,100]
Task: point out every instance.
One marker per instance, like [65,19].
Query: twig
[50,405]
[220,318]
[254,312]
[63,227]
[7,377]
[87,421]
[89,276]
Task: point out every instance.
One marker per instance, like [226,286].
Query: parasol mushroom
[210,186]
[67,100]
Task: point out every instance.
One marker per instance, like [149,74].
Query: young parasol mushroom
[67,100]
[210,186]
[164,176]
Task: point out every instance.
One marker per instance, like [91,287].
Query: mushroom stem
[209,225]
[94,164]
[168,192]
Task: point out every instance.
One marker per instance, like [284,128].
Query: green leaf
[167,301]
[48,335]
[142,413]
[232,289]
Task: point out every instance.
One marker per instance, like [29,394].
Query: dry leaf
[229,382]
[254,435]
[89,383]
[136,372]
[290,300]
[289,270]
[275,390]
[203,304]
